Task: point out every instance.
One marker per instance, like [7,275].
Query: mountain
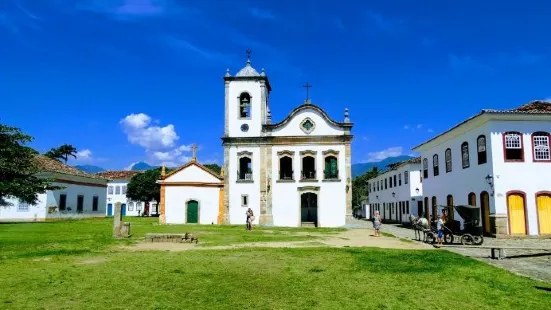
[142,166]
[89,168]
[361,168]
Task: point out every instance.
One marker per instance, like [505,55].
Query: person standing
[440,229]
[377,224]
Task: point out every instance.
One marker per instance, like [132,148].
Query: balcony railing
[246,176]
[308,175]
[331,175]
[286,175]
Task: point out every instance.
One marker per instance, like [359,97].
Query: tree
[214,168]
[18,168]
[359,186]
[62,152]
[143,186]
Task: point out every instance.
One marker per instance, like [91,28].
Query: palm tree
[62,152]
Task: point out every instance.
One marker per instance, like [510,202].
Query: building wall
[234,121]
[528,176]
[178,196]
[322,127]
[237,189]
[12,213]
[405,193]
[130,210]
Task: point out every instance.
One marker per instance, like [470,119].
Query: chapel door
[517,219]
[109,209]
[309,208]
[192,212]
[544,213]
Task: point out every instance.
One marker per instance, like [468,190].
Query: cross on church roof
[307,86]
[248,51]
[193,150]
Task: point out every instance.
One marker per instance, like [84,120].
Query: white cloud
[406,126]
[84,155]
[419,126]
[140,131]
[131,165]
[380,155]
[174,155]
[430,130]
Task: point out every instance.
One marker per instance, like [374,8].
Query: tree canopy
[359,186]
[144,187]
[62,152]
[213,167]
[18,168]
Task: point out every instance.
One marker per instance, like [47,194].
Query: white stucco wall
[35,212]
[178,196]
[192,173]
[286,197]
[236,189]
[130,210]
[322,127]
[405,193]
[255,122]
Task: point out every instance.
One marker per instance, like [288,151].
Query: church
[296,172]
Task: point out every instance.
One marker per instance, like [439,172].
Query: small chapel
[294,173]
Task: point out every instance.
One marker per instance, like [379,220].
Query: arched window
[472,199]
[308,168]
[286,168]
[331,165]
[425,168]
[540,145]
[465,155]
[435,170]
[244,105]
[448,158]
[481,149]
[245,172]
[513,146]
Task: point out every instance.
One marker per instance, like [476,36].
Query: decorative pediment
[244,154]
[306,107]
[285,153]
[330,152]
[308,152]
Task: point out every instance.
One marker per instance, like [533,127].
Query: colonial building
[397,192]
[116,192]
[499,161]
[83,195]
[191,194]
[291,173]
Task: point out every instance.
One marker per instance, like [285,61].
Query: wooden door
[123,209]
[309,208]
[109,209]
[80,203]
[517,218]
[192,212]
[485,211]
[544,213]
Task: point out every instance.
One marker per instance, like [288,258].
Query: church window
[465,155]
[244,200]
[245,169]
[130,206]
[308,165]
[406,177]
[331,167]
[448,159]
[307,125]
[514,149]
[435,170]
[110,190]
[425,168]
[286,168]
[245,105]
[481,149]
[540,144]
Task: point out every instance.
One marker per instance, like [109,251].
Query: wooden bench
[181,238]
[498,251]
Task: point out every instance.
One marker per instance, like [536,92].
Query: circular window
[244,127]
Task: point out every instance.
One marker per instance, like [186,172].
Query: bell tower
[246,101]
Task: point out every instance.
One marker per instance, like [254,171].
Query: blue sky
[132,80]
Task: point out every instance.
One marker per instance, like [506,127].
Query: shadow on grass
[547,289]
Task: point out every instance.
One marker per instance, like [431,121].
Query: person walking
[377,224]
[440,229]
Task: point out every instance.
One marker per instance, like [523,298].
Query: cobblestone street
[534,264]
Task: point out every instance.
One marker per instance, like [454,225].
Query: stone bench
[177,238]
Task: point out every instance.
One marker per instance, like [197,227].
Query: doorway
[419,208]
[109,209]
[485,211]
[192,212]
[309,208]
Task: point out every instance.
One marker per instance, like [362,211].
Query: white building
[116,192]
[191,194]
[82,196]
[397,192]
[499,161]
[294,172]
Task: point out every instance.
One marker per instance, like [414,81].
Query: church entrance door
[309,208]
[192,212]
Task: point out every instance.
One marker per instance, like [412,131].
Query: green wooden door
[192,214]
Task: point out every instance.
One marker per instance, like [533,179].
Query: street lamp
[417,190]
[490,180]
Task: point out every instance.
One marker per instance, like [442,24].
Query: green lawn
[73,265]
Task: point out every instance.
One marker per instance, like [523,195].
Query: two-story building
[82,195]
[499,161]
[397,192]
[116,192]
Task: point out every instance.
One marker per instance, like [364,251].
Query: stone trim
[239,106]
[308,152]
[286,140]
[308,106]
[227,105]
[220,216]
[348,176]
[331,180]
[285,181]
[249,78]
[226,215]
[286,153]
[244,181]
[304,189]
[308,180]
[162,216]
[245,154]
[330,152]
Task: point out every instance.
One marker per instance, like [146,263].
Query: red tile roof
[51,165]
[120,174]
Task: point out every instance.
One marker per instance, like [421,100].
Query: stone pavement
[533,264]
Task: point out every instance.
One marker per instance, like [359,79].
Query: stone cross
[193,150]
[307,86]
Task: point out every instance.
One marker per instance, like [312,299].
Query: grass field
[76,265]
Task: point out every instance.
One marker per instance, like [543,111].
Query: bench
[498,251]
[179,238]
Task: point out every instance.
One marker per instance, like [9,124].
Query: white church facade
[293,173]
[296,172]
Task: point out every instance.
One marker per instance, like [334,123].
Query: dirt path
[349,238]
